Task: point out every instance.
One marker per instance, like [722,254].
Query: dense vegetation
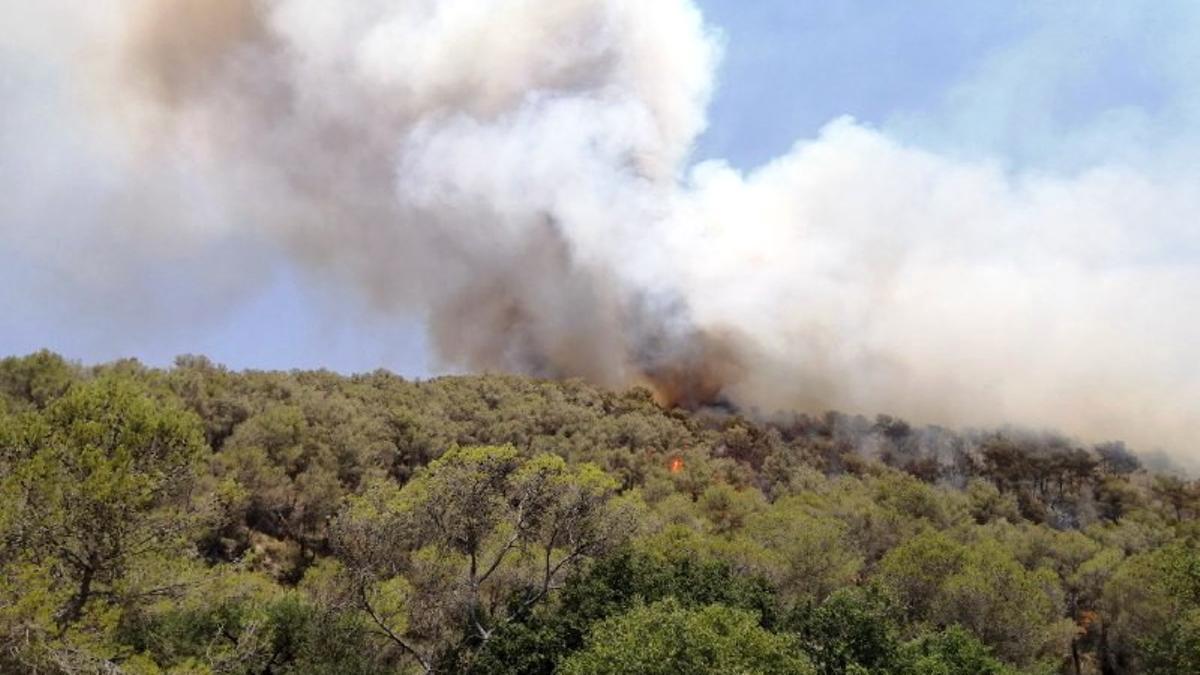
[196,520]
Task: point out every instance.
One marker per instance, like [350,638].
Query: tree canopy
[199,520]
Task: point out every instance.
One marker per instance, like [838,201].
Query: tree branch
[362,590]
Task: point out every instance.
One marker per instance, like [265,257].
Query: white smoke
[517,173]
[900,280]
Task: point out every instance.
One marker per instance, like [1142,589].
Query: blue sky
[1047,86]
[791,67]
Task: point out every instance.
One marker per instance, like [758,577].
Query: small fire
[676,464]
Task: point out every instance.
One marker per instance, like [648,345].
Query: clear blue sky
[1054,86]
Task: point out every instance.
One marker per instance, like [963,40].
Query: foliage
[663,568]
[97,491]
[199,520]
[954,651]
[667,638]
[851,631]
[481,536]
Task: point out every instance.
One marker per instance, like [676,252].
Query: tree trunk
[74,608]
[1107,667]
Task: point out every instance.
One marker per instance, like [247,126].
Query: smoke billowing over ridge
[517,173]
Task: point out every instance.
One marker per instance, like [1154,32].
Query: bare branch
[391,635]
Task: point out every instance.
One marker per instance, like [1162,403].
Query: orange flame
[676,464]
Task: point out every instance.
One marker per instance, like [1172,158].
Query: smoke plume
[517,173]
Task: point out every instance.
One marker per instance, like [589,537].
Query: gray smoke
[516,173]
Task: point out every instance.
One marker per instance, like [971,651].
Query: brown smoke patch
[177,50]
[551,316]
[509,318]
[697,373]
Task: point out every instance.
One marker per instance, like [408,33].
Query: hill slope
[202,520]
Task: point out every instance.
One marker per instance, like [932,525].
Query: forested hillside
[198,520]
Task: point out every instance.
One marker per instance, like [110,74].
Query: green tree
[34,381]
[238,622]
[853,630]
[666,638]
[99,489]
[982,587]
[954,651]
[916,571]
[1180,497]
[1151,605]
[806,556]
[1015,611]
[480,537]
[672,565]
[1174,648]
[728,508]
